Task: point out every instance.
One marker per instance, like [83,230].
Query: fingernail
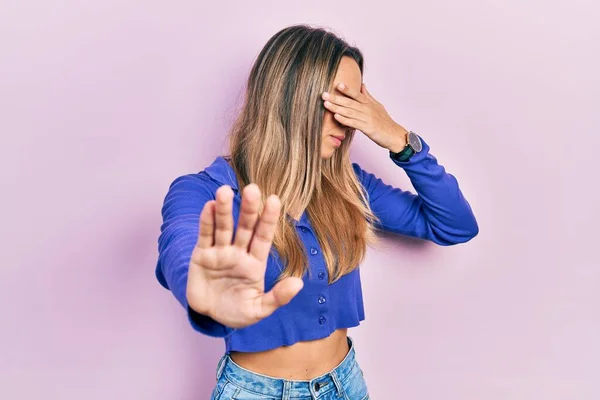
[325,95]
[341,86]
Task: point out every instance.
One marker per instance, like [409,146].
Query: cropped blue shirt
[438,212]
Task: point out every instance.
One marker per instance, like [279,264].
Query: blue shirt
[438,212]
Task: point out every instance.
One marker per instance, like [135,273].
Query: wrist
[400,140]
[414,145]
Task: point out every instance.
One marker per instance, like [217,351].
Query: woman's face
[349,74]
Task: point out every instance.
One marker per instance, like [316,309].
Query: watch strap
[403,155]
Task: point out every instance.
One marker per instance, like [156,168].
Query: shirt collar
[222,172]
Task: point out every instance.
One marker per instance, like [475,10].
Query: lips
[337,140]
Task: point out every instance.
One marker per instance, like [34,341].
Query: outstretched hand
[226,274]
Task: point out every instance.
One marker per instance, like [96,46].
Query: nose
[339,124]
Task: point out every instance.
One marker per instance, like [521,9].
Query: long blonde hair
[275,142]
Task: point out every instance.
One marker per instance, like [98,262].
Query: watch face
[414,141]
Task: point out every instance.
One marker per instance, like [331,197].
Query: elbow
[462,233]
[474,229]
[468,231]
[467,236]
[471,226]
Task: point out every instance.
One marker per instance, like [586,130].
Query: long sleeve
[179,233]
[438,212]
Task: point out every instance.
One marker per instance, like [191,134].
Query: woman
[263,246]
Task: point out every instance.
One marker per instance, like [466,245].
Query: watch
[413,146]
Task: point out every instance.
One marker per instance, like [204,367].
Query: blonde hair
[275,142]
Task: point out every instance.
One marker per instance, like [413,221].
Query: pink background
[104,103]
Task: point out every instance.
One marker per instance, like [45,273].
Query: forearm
[441,201]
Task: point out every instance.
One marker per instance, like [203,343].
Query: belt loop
[338,385]
[221,366]
[286,389]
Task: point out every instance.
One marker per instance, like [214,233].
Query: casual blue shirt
[438,212]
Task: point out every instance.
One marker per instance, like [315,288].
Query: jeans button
[317,386]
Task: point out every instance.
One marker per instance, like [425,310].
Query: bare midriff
[300,361]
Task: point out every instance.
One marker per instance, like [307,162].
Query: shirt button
[313,251]
[321,275]
[321,299]
[322,319]
[303,229]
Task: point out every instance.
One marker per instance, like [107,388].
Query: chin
[326,154]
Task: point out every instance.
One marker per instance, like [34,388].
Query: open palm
[226,274]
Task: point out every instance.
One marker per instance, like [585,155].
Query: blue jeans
[344,382]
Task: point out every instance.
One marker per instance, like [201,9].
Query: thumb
[281,294]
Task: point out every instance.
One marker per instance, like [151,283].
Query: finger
[224,217]
[207,225]
[363,89]
[262,239]
[342,101]
[281,294]
[351,122]
[248,216]
[352,93]
[346,112]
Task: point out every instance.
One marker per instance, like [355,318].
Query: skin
[226,274]
[353,106]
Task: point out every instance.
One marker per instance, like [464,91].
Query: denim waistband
[284,388]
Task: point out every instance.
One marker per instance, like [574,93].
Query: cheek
[328,118]
[329,123]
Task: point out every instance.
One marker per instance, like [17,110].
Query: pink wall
[103,103]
